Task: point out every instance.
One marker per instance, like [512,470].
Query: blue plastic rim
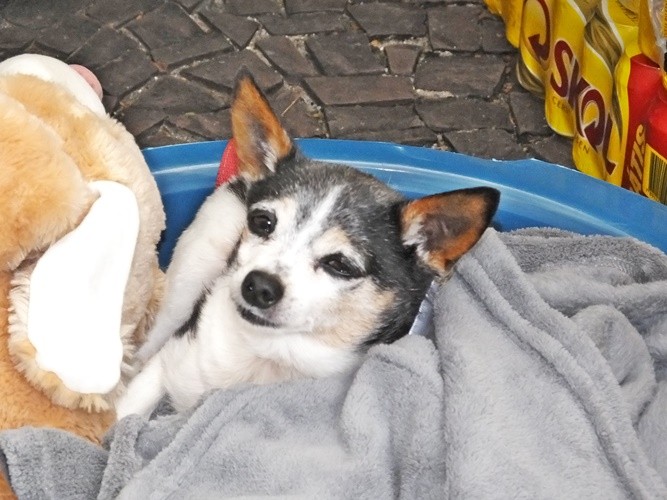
[534,193]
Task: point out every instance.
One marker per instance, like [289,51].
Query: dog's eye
[338,266]
[261,222]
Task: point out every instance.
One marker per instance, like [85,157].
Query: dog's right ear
[261,141]
[442,227]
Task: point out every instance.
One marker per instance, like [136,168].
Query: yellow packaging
[564,75]
[598,65]
[597,146]
[535,42]
[510,11]
[651,29]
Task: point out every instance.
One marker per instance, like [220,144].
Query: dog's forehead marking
[297,227]
[307,218]
[302,211]
[317,215]
[285,208]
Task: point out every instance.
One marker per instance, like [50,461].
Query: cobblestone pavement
[422,72]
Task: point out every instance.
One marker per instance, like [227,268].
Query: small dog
[294,268]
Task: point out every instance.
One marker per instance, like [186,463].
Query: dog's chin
[254,319]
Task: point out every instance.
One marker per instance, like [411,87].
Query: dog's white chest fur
[223,352]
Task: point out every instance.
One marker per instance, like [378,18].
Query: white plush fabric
[54,70]
[94,261]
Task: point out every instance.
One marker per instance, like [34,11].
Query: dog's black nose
[262,289]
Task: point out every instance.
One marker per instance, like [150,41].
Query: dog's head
[329,251]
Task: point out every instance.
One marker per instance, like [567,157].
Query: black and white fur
[294,268]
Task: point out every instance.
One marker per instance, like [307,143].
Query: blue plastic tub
[534,193]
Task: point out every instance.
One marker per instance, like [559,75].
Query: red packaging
[643,82]
[654,183]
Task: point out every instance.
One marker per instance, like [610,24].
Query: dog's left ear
[261,141]
[444,226]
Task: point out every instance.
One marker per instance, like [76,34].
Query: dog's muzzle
[261,289]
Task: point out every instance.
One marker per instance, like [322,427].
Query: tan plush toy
[80,218]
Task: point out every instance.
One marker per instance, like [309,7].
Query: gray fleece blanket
[546,378]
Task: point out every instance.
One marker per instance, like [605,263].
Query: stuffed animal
[80,219]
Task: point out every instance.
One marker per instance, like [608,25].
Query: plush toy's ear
[443,227]
[261,141]
[71,309]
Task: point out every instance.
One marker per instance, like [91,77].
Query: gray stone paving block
[488,143]
[493,36]
[6,52]
[198,47]
[421,136]
[238,29]
[138,120]
[117,12]
[296,6]
[222,70]
[14,37]
[189,4]
[460,75]
[296,117]
[110,103]
[125,73]
[68,35]
[554,149]
[402,58]
[459,113]
[166,25]
[528,112]
[455,28]
[176,95]
[36,14]
[252,7]
[166,134]
[303,24]
[346,53]
[35,48]
[286,57]
[107,44]
[171,109]
[345,120]
[364,89]
[212,126]
[381,19]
